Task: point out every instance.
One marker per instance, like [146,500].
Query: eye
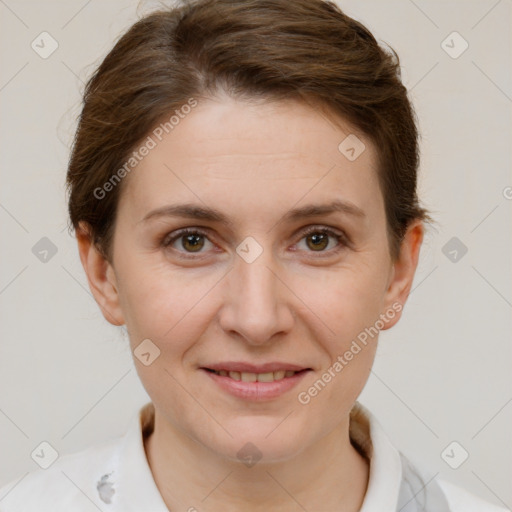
[192,240]
[317,239]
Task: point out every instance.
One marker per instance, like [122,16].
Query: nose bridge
[255,306]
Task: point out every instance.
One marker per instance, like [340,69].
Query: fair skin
[299,302]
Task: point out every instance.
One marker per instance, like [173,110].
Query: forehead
[269,154]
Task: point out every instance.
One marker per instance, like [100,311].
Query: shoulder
[461,500]
[74,482]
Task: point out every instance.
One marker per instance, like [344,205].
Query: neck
[329,475]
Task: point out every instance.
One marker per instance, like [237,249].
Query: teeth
[280,374]
[265,377]
[253,377]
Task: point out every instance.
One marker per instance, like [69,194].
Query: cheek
[349,308]
[157,300]
[345,300]
[346,307]
[162,303]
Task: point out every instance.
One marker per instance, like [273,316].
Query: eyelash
[341,238]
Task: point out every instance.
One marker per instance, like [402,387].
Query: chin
[259,440]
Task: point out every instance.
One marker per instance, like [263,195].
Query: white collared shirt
[115,476]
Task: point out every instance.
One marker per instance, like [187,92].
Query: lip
[256,391]
[240,366]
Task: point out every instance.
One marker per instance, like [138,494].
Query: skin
[295,302]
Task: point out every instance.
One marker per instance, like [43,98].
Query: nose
[256,303]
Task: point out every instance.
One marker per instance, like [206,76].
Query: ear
[402,272]
[101,276]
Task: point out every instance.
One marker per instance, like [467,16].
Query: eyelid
[170,238]
[342,238]
[320,228]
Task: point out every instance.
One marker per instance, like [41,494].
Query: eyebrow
[193,211]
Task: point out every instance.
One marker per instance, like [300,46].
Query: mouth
[257,377]
[256,382]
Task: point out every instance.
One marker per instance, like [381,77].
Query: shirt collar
[136,486]
[385,463]
[137,489]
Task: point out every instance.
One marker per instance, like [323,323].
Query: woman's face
[250,284]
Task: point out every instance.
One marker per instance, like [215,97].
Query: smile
[261,386]
[253,377]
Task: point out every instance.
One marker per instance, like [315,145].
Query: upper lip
[240,366]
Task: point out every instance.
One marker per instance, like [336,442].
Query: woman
[243,190]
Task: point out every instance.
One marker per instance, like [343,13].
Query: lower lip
[256,391]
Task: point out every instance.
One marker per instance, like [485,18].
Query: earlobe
[101,277]
[403,271]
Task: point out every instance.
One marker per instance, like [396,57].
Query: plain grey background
[443,374]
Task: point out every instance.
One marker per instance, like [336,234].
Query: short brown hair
[262,49]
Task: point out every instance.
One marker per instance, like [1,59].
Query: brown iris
[320,240]
[195,242]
